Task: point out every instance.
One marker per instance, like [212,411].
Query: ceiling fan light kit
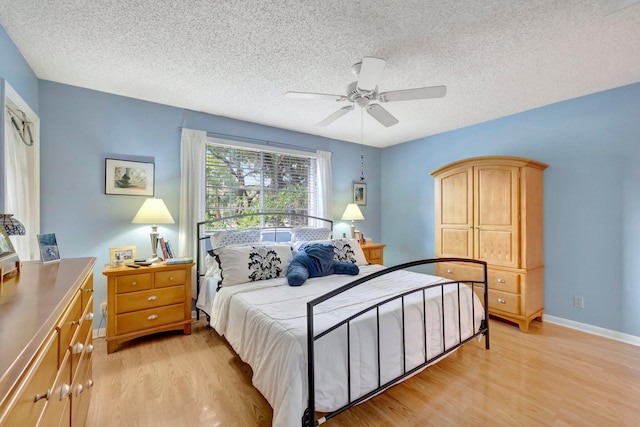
[364,91]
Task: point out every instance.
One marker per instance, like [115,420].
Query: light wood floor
[551,376]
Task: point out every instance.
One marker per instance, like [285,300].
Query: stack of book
[181,260]
[167,250]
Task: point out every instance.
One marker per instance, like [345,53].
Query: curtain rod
[262,141]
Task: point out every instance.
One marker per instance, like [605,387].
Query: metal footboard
[309,418]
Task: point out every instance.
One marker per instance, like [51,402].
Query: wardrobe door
[496,215]
[454,213]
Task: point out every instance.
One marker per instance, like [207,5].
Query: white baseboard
[99,333]
[595,330]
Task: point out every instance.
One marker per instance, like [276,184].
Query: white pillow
[242,264]
[234,237]
[310,233]
[345,250]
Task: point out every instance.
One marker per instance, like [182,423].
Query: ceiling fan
[364,93]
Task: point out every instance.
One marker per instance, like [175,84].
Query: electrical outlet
[103,309]
[578,302]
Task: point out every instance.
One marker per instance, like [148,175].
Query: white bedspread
[265,323]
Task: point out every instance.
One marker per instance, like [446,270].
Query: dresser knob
[65,391]
[77,348]
[89,383]
[75,322]
[89,316]
[89,348]
[152,298]
[500,280]
[170,277]
[42,396]
[152,317]
[79,389]
[449,271]
[501,301]
[134,283]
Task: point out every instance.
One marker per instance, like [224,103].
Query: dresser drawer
[455,271]
[146,319]
[133,282]
[376,255]
[39,381]
[68,326]
[504,281]
[86,291]
[149,299]
[170,278]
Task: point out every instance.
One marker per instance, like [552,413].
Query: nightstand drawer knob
[79,389]
[89,316]
[89,383]
[77,348]
[134,283]
[88,290]
[449,271]
[152,298]
[501,280]
[501,301]
[170,277]
[89,348]
[152,317]
[42,396]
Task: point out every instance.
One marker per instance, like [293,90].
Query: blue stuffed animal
[316,260]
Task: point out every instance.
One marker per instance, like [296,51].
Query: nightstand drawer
[133,282]
[149,299]
[147,319]
[170,278]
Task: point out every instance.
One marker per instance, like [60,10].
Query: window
[244,179]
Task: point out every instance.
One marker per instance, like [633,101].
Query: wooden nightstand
[146,300]
[374,252]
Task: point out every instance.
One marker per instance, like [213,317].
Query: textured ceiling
[237,58]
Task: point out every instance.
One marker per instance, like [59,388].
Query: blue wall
[591,199]
[81,127]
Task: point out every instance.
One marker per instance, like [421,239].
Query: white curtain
[192,200]
[325,191]
[18,188]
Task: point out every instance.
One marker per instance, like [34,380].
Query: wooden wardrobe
[490,209]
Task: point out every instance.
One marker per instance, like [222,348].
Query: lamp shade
[352,212]
[153,211]
[12,225]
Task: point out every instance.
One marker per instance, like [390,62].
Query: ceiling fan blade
[370,72]
[311,95]
[335,116]
[411,94]
[380,114]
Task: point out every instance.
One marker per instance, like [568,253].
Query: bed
[337,340]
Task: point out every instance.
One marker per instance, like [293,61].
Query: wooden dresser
[373,252]
[490,209]
[46,315]
[146,300]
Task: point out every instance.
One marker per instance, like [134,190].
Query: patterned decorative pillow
[307,234]
[349,250]
[344,250]
[234,237]
[242,264]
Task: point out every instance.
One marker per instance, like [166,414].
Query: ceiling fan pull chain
[362,144]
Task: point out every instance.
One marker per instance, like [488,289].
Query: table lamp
[352,212]
[153,211]
[12,225]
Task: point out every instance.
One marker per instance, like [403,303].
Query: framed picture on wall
[360,193]
[128,177]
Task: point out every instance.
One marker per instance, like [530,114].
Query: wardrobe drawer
[504,301]
[504,281]
[149,299]
[455,271]
[147,319]
[133,282]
